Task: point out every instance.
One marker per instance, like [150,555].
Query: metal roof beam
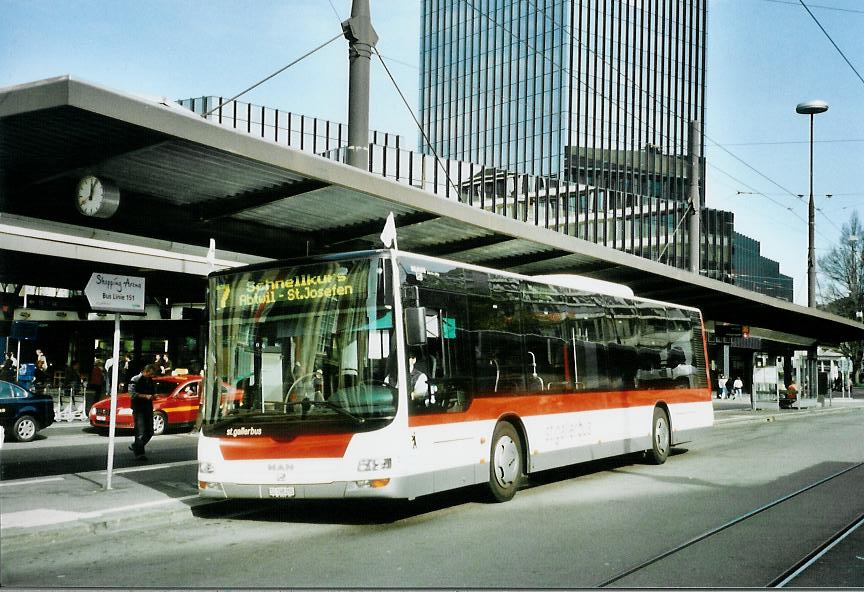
[455,247]
[528,258]
[216,209]
[360,231]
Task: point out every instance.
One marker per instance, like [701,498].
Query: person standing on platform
[167,366]
[40,357]
[9,370]
[109,364]
[141,391]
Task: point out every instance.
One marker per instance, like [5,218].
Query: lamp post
[811,108]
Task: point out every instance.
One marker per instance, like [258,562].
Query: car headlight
[373,464]
[124,411]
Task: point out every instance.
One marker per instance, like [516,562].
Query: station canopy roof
[185,180]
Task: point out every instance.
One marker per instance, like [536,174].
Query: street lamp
[811,108]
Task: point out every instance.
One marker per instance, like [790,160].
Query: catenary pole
[693,151]
[361,39]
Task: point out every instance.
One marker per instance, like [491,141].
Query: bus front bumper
[373,488]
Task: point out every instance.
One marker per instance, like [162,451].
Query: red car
[176,404]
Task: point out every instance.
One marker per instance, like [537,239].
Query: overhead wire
[799,196]
[757,192]
[766,196]
[784,142]
[407,106]
[837,47]
[274,74]
[420,127]
[820,6]
[749,166]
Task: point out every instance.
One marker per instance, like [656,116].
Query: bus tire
[505,463]
[661,437]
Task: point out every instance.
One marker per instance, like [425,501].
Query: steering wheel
[294,384]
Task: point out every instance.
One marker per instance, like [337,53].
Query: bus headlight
[373,464]
[373,484]
[206,467]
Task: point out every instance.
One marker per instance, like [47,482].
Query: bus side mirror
[415,325]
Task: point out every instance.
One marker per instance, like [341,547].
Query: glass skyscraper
[577,113]
[598,92]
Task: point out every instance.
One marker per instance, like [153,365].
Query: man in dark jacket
[9,371]
[141,391]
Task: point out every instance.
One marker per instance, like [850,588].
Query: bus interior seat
[676,357]
[649,359]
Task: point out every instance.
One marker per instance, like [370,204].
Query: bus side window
[590,363]
[446,358]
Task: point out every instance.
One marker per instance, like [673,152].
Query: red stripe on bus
[302,446]
[485,408]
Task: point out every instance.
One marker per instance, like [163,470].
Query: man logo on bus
[280,467]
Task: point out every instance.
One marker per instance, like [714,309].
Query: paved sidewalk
[66,508]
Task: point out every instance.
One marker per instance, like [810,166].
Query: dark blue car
[22,412]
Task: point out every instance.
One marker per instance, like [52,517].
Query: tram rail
[786,577]
[811,558]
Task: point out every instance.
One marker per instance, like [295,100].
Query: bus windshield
[305,345]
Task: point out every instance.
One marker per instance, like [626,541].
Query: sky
[763,58]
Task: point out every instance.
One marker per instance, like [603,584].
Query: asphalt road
[570,528]
[63,448]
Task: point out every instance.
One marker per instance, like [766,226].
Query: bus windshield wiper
[306,403]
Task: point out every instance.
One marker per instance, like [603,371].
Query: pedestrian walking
[737,388]
[141,391]
[721,382]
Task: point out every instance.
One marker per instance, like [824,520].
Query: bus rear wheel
[661,437]
[505,463]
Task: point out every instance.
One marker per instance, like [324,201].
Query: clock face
[96,197]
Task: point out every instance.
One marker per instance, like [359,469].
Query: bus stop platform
[64,509]
[743,409]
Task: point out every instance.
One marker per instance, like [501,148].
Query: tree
[843,267]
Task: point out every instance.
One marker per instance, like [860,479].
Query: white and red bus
[395,375]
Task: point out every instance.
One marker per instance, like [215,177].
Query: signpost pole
[114,374]
[117,294]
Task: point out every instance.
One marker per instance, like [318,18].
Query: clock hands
[97,197]
[85,199]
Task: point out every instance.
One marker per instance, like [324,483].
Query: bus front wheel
[661,437]
[505,463]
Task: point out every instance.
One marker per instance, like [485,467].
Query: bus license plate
[281,492]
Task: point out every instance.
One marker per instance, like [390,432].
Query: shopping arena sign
[115,293]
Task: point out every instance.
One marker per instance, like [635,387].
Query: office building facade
[578,114]
[565,88]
